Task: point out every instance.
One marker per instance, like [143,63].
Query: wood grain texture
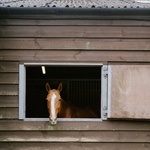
[130,126]
[74,146]
[9,90]
[9,113]
[7,66]
[77,44]
[9,78]
[75,31]
[9,101]
[75,55]
[80,137]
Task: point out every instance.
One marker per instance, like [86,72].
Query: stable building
[100,52]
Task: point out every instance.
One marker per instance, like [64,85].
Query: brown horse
[57,107]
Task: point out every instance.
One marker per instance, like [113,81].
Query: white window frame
[22,90]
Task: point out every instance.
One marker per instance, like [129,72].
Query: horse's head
[53,102]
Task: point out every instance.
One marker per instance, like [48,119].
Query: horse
[57,107]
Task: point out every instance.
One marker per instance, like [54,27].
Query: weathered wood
[78,136]
[9,113]
[9,78]
[75,146]
[9,66]
[78,44]
[60,22]
[85,41]
[129,97]
[75,31]
[75,56]
[9,90]
[19,125]
[9,101]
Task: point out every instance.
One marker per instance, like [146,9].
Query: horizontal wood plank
[78,136]
[9,66]
[59,22]
[75,146]
[9,78]
[75,56]
[9,90]
[9,113]
[78,44]
[9,101]
[75,31]
[19,125]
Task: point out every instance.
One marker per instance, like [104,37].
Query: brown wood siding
[77,44]
[107,41]
[121,135]
[9,82]
[74,32]
[74,146]
[75,55]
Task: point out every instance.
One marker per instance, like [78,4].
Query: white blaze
[53,113]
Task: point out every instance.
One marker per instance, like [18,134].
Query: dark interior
[81,87]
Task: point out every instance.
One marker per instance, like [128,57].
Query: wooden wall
[75,40]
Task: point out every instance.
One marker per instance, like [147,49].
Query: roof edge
[19,12]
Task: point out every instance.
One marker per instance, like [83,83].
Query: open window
[83,85]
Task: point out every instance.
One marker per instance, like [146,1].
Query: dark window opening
[81,87]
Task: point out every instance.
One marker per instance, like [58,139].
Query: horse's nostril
[53,121]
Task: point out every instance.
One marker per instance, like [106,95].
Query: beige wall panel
[130,92]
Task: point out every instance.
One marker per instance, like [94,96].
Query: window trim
[109,90]
[22,90]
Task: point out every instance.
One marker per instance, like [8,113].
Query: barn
[99,51]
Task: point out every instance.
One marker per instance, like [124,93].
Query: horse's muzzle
[53,121]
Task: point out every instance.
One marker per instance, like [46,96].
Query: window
[84,85]
[115,91]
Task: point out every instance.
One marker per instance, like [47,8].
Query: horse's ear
[48,87]
[60,87]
